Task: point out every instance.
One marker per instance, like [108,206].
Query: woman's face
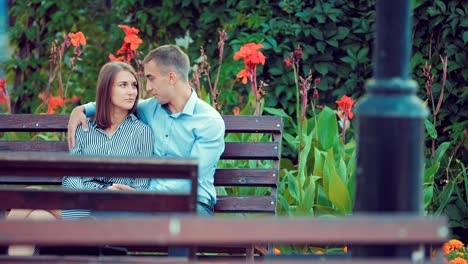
[124,91]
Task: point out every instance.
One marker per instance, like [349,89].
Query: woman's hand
[120,187]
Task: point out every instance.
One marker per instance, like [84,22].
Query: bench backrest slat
[58,123]
[233,150]
[223,177]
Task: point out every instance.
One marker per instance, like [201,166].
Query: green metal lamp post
[390,128]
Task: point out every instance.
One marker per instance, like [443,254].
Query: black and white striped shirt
[131,138]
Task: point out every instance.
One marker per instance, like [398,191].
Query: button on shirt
[195,133]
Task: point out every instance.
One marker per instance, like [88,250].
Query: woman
[114,131]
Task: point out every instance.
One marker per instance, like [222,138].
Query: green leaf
[327,128]
[293,187]
[350,61]
[342,171]
[321,46]
[342,33]
[305,207]
[278,112]
[445,197]
[318,162]
[428,193]
[303,159]
[337,189]
[430,129]
[322,68]
[440,151]
[430,172]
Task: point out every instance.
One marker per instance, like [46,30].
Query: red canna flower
[243,74]
[77,38]
[252,57]
[129,30]
[54,102]
[249,52]
[2,91]
[113,58]
[130,45]
[134,41]
[346,103]
[287,62]
[236,110]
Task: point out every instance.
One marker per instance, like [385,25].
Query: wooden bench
[267,129]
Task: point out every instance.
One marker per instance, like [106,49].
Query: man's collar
[189,107]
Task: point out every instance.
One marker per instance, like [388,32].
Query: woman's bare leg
[28,250]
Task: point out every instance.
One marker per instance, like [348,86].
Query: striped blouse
[131,138]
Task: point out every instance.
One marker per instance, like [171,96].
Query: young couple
[173,123]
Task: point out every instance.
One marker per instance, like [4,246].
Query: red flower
[249,52]
[243,74]
[130,45]
[54,102]
[316,94]
[2,91]
[77,38]
[113,58]
[236,110]
[287,62]
[134,41]
[129,30]
[346,103]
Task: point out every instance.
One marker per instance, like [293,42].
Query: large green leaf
[293,187]
[440,151]
[303,159]
[327,128]
[337,189]
[430,129]
[306,206]
[429,174]
[428,193]
[445,197]
[318,162]
[278,112]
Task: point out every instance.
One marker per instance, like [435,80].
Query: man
[184,126]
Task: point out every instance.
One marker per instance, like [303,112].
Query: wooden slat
[33,123]
[55,164]
[95,200]
[382,229]
[253,124]
[243,204]
[251,150]
[92,259]
[44,123]
[223,177]
[9,180]
[246,177]
[164,260]
[233,150]
[33,145]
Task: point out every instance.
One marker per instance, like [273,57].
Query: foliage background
[337,41]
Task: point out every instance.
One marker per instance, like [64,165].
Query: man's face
[158,83]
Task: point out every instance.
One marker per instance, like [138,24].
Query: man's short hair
[170,58]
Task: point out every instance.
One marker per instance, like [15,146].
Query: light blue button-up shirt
[195,133]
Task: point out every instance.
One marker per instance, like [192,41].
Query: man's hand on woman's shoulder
[77,117]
